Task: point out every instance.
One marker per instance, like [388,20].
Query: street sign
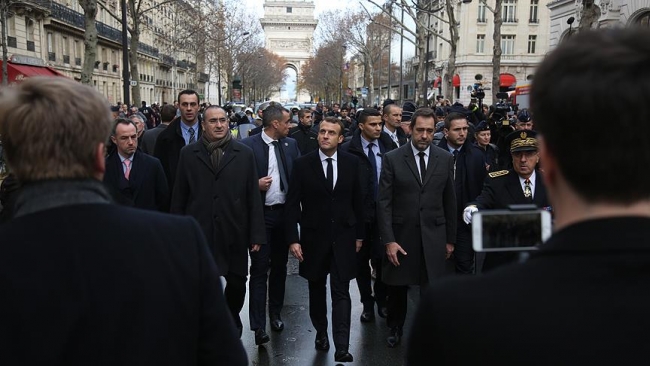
[134,83]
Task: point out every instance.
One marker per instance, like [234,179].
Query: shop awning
[17,72]
[508,80]
[456,81]
[436,83]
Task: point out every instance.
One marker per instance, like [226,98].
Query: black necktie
[192,138]
[455,157]
[373,167]
[330,173]
[279,157]
[423,166]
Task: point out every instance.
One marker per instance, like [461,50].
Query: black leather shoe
[343,356]
[276,323]
[322,342]
[394,337]
[368,314]
[382,311]
[261,337]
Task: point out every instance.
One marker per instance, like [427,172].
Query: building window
[508,45]
[29,27]
[480,43]
[66,46]
[289,9]
[50,42]
[509,11]
[11,27]
[534,5]
[532,40]
[481,13]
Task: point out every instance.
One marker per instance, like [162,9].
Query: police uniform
[505,187]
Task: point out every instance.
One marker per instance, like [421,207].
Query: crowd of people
[142,211]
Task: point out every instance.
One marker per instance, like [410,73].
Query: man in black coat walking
[325,184]
[369,143]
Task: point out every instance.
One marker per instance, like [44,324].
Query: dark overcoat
[225,202]
[502,189]
[421,218]
[168,148]
[330,221]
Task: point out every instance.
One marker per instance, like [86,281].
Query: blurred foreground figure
[582,299]
[86,282]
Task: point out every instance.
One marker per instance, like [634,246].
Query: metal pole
[390,36]
[125,56]
[426,67]
[401,58]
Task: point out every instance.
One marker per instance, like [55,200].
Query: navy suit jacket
[261,151]
[146,188]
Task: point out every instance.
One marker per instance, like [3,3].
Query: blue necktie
[373,167]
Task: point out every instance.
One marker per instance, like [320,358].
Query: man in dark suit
[416,214]
[180,132]
[369,141]
[521,185]
[89,282]
[217,184]
[469,174]
[137,178]
[582,298]
[325,183]
[150,136]
[392,117]
[274,157]
[306,138]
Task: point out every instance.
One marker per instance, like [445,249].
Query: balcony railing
[166,59]
[183,64]
[533,21]
[148,50]
[66,59]
[510,20]
[109,32]
[31,46]
[203,77]
[12,42]
[51,56]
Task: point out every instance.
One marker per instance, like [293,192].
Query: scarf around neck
[216,148]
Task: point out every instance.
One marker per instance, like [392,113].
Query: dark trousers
[369,253]
[463,251]
[235,294]
[276,251]
[397,301]
[341,307]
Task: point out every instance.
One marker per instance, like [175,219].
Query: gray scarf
[216,148]
[44,195]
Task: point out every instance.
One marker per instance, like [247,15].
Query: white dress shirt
[323,160]
[417,158]
[274,195]
[532,184]
[393,135]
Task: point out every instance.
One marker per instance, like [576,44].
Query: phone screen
[499,231]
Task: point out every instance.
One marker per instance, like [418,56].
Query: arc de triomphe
[289,31]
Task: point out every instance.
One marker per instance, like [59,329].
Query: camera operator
[582,298]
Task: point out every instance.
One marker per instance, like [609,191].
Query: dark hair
[122,121]
[574,86]
[188,92]
[168,113]
[336,121]
[386,109]
[273,113]
[452,117]
[367,112]
[422,112]
[303,112]
[213,107]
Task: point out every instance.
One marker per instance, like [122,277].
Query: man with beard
[303,134]
[469,174]
[217,184]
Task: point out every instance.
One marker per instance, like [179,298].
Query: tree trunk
[420,84]
[90,40]
[369,74]
[453,45]
[496,55]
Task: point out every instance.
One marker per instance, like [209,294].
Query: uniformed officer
[521,185]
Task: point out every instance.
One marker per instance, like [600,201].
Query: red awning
[436,83]
[18,73]
[456,80]
[508,81]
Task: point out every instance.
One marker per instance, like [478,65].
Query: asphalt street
[295,344]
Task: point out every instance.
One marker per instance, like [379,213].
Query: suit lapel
[262,151]
[431,164]
[514,188]
[137,174]
[317,165]
[202,154]
[409,159]
[228,155]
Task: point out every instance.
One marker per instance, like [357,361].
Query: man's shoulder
[499,174]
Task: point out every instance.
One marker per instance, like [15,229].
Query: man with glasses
[182,131]
[217,184]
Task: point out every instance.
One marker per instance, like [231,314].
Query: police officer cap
[482,126]
[522,140]
[440,112]
[524,116]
